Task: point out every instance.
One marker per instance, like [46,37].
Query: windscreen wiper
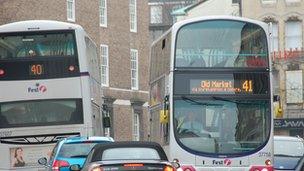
[195,102]
[243,149]
[78,156]
[223,99]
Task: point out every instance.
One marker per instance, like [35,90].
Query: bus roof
[180,24]
[218,17]
[38,25]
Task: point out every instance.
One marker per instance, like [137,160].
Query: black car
[127,156]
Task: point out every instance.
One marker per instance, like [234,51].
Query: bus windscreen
[221,44]
[36,44]
[38,55]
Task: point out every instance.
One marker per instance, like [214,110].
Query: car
[288,153]
[129,155]
[71,150]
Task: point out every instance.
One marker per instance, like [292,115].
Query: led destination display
[221,86]
[233,83]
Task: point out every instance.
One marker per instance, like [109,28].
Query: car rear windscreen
[76,150]
[130,153]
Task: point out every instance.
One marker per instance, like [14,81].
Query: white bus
[211,76]
[49,88]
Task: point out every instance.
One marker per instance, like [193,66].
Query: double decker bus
[50,89]
[211,97]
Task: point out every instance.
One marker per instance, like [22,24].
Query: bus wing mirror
[106,122]
[164,116]
[164,113]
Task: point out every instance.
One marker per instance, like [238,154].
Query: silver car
[288,153]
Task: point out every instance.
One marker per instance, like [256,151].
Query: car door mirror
[75,167]
[42,161]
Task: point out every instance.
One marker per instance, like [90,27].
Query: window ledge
[103,25]
[268,3]
[71,20]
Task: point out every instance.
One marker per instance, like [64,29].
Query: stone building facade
[206,8]
[161,18]
[287,18]
[125,49]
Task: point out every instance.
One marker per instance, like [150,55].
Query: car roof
[83,138]
[287,138]
[113,162]
[100,148]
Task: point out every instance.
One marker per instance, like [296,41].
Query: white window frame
[103,10]
[293,36]
[133,16]
[294,86]
[134,58]
[156,14]
[275,36]
[106,65]
[71,12]
[136,127]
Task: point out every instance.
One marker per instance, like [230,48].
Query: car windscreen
[288,148]
[285,163]
[130,153]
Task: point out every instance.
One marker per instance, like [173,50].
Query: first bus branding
[38,88]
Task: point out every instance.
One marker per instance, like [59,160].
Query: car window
[53,153]
[290,148]
[76,150]
[89,158]
[129,153]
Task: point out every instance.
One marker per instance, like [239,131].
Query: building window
[133,16]
[104,54]
[275,36]
[294,86]
[71,10]
[235,1]
[136,127]
[156,15]
[134,69]
[293,35]
[103,13]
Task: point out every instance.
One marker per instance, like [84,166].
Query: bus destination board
[221,86]
[36,69]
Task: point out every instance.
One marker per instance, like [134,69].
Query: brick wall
[116,35]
